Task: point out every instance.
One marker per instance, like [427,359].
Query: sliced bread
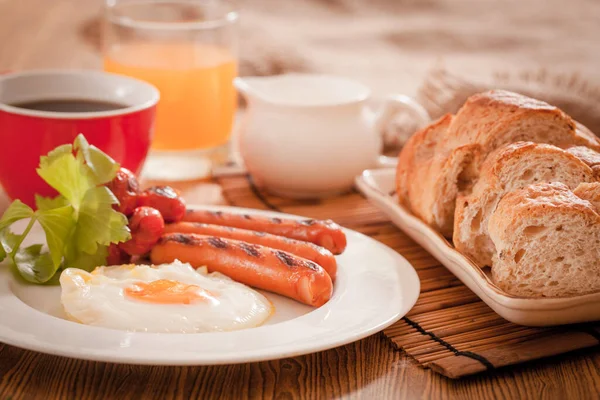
[508,168]
[589,192]
[486,122]
[414,161]
[588,156]
[547,242]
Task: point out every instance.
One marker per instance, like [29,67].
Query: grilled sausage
[126,188]
[117,256]
[309,251]
[166,200]
[254,265]
[323,233]
[146,225]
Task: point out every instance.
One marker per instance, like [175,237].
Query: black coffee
[70,105]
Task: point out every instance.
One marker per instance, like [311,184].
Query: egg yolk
[165,291]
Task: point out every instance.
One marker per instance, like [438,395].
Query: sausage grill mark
[179,238]
[165,191]
[217,242]
[291,261]
[133,185]
[246,216]
[250,249]
[308,222]
[216,213]
[286,258]
[311,265]
[276,220]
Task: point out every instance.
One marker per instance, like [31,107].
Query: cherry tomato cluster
[147,210]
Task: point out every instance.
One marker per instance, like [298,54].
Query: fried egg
[165,298]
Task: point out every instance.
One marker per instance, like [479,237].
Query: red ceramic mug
[25,134]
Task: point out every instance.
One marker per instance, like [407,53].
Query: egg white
[99,299]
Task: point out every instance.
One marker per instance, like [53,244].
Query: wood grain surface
[43,33]
[367,369]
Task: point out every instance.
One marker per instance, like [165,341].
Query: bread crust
[506,169]
[415,158]
[514,181]
[546,239]
[486,122]
[588,156]
[589,192]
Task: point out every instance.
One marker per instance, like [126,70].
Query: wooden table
[40,33]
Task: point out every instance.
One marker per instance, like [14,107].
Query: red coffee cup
[26,134]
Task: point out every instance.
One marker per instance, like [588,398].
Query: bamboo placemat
[449,330]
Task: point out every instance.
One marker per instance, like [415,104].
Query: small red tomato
[146,225]
[116,256]
[125,187]
[166,200]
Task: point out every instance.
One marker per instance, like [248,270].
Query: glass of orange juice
[187,49]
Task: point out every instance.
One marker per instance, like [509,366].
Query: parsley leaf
[34,266]
[85,261]
[68,176]
[47,203]
[98,223]
[58,224]
[8,241]
[55,154]
[16,211]
[102,166]
[79,224]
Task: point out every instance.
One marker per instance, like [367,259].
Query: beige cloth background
[392,44]
[548,48]
[388,44]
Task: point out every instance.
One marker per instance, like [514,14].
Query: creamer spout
[249,87]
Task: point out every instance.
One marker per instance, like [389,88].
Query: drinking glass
[188,50]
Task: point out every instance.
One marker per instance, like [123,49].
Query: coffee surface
[70,105]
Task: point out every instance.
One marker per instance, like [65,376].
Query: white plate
[379,186]
[374,288]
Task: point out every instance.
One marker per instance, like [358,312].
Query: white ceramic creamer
[306,135]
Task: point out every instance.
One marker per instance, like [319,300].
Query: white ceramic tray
[379,186]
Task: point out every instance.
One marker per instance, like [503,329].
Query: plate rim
[404,271]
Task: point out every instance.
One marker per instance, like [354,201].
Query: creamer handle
[393,106]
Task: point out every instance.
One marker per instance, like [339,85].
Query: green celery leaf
[8,241]
[69,177]
[58,224]
[98,222]
[48,203]
[34,266]
[87,261]
[15,212]
[79,223]
[103,167]
[54,154]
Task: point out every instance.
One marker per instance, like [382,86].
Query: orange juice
[197,97]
